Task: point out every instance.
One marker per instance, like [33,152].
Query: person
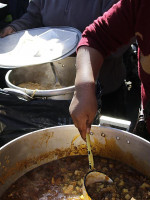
[14,9]
[17,8]
[77,14]
[3,13]
[125,19]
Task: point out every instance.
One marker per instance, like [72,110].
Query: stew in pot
[63,179]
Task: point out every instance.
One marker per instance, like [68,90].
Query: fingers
[6,31]
[80,124]
[83,133]
[86,129]
[2,33]
[83,113]
[83,126]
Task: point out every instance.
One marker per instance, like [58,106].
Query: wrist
[85,88]
[13,28]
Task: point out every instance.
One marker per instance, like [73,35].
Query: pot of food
[51,80]
[41,61]
[53,161]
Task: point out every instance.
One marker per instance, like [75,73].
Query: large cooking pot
[34,149]
[41,56]
[56,79]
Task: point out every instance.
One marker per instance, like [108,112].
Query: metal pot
[61,72]
[34,149]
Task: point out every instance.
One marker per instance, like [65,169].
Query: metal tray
[38,46]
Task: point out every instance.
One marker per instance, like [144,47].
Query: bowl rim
[45,93]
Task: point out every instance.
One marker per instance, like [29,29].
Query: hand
[83,109]
[6,31]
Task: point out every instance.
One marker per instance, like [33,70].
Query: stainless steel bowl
[60,72]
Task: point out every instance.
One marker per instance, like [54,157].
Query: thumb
[88,130]
[88,127]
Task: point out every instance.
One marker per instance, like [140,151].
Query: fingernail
[88,130]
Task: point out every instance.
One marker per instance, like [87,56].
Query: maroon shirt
[126,19]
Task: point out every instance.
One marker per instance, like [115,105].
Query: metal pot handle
[114,122]
[18,93]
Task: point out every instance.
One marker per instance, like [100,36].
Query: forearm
[88,65]
[31,19]
[83,107]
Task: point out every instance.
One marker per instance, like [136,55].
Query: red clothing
[126,19]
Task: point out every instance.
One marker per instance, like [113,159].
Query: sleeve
[31,19]
[113,30]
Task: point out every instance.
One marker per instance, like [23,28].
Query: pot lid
[37,46]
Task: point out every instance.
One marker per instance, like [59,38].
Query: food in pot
[63,179]
[37,86]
